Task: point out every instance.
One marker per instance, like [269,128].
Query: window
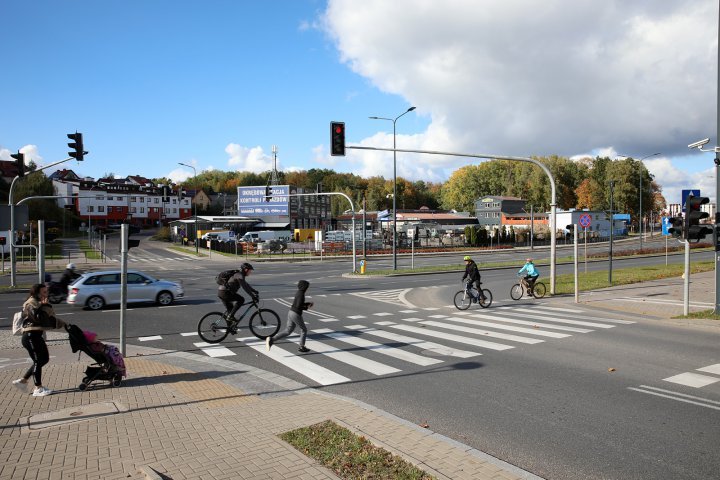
[90,208]
[101,208]
[133,199]
[142,209]
[99,197]
[142,199]
[135,278]
[174,210]
[132,209]
[157,200]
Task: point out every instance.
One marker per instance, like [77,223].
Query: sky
[215,84]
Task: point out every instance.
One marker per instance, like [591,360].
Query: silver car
[94,290]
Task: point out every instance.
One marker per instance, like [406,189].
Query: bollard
[362,267]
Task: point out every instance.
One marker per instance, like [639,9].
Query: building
[489,210]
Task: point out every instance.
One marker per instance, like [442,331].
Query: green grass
[348,455]
[189,250]
[703,314]
[90,253]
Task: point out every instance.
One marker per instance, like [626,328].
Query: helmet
[466,258]
[70,266]
[246,266]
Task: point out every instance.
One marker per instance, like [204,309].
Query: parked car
[94,290]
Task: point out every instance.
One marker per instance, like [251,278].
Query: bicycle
[464,298]
[263,323]
[518,290]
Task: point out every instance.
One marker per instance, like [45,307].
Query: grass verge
[348,455]
[705,314]
[90,253]
[190,251]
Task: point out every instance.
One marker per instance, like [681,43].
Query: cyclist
[228,293]
[531,275]
[472,272]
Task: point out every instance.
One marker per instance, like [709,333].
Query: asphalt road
[530,382]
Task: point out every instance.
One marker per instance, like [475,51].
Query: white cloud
[497,77]
[674,180]
[249,159]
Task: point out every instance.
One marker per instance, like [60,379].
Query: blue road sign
[686,193]
[665,225]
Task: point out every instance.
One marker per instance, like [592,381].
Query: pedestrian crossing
[377,344]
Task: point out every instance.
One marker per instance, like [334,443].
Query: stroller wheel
[117,381]
[85,380]
[82,386]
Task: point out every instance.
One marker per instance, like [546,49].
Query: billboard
[251,201]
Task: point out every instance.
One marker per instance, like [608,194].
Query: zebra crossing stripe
[451,337]
[149,339]
[509,327]
[498,318]
[214,350]
[585,316]
[416,342]
[487,333]
[562,320]
[381,348]
[370,366]
[304,367]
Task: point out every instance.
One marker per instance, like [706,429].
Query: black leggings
[228,298]
[35,344]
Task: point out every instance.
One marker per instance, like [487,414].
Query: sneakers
[41,392]
[268,343]
[20,384]
[303,349]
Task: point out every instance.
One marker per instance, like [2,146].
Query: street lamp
[197,240]
[394,120]
[640,230]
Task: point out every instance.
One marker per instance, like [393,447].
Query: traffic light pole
[686,285]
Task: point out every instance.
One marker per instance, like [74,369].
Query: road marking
[487,333]
[381,348]
[188,334]
[509,327]
[381,314]
[355,317]
[357,361]
[562,320]
[690,379]
[304,367]
[214,351]
[148,339]
[416,342]
[451,337]
[408,311]
[497,318]
[676,396]
[711,369]
[585,316]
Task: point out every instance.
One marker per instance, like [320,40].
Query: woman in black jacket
[39,316]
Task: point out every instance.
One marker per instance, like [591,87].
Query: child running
[295,318]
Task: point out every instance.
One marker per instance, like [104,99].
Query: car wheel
[164,298]
[95,303]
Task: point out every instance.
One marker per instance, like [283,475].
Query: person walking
[39,316]
[295,318]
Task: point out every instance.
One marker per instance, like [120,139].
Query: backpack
[18,320]
[223,277]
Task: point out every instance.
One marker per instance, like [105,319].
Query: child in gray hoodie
[295,318]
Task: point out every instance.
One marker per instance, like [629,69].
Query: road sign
[585,220]
[686,193]
[665,225]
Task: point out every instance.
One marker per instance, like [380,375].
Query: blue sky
[215,84]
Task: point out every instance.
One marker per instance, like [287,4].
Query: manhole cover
[72,414]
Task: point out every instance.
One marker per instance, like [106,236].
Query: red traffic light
[337,139]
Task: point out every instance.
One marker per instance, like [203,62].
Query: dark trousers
[294,319]
[35,344]
[231,301]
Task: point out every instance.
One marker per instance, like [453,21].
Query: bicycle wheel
[213,328]
[516,292]
[462,300]
[264,323]
[539,290]
[488,298]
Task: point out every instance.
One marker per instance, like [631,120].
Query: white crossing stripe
[675,396]
[355,317]
[416,342]
[188,334]
[563,320]
[582,315]
[327,319]
[408,311]
[497,318]
[694,380]
[412,319]
[382,348]
[214,350]
[454,338]
[148,339]
[487,333]
[371,366]
[382,314]
[711,369]
[304,367]
[437,316]
[509,327]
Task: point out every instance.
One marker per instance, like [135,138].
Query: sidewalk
[179,415]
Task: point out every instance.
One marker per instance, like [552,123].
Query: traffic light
[77,146]
[268,193]
[676,227]
[337,139]
[693,230]
[166,194]
[19,163]
[3,240]
[133,243]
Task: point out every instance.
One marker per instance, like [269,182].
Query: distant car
[94,290]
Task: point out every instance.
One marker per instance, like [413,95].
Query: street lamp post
[197,239]
[640,214]
[394,237]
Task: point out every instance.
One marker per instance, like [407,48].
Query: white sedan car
[94,290]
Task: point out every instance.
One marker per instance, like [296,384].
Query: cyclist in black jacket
[229,295]
[471,271]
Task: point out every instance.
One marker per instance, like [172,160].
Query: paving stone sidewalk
[185,416]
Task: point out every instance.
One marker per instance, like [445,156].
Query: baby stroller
[109,366]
